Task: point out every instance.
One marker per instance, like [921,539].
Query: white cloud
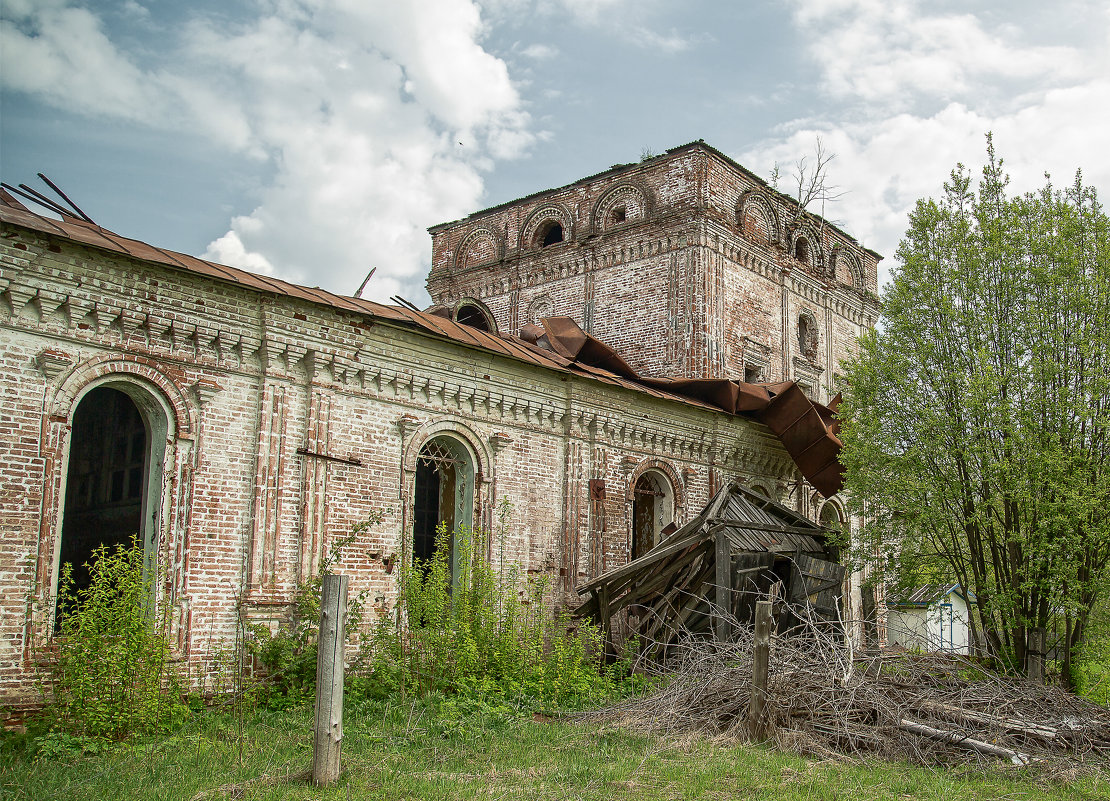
[62,55]
[229,249]
[895,51]
[891,154]
[360,106]
[669,43]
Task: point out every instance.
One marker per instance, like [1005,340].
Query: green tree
[976,416]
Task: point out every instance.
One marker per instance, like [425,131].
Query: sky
[314,140]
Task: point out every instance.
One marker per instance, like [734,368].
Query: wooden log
[761,654]
[960,741]
[1035,654]
[328,730]
[1010,724]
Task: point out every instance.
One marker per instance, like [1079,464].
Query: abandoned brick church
[600,355]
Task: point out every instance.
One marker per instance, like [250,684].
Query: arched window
[444,498]
[474,316]
[801,250]
[652,510]
[113,476]
[550,234]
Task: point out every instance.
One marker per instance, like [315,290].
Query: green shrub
[484,633]
[111,678]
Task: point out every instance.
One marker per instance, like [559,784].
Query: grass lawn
[392,752]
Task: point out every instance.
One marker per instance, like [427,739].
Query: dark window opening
[435,492]
[105,480]
[552,235]
[618,215]
[753,374]
[801,250]
[471,315]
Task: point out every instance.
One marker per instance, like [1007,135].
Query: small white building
[930,618]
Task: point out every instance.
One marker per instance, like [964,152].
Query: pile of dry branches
[824,698]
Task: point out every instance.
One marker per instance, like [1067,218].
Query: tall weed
[485,632]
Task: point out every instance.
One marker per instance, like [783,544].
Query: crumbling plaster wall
[246,379]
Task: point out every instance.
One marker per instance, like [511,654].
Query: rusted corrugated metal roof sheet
[807,429]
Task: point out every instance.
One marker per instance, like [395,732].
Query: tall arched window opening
[113,477]
[652,510]
[444,496]
[801,250]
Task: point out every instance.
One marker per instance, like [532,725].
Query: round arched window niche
[653,509]
[471,313]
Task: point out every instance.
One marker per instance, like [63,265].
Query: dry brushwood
[825,698]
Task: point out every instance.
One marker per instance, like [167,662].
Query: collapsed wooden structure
[709,573]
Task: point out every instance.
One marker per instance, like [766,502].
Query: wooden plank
[652,583]
[661,609]
[636,565]
[603,615]
[723,578]
[692,591]
[815,582]
[748,526]
[760,659]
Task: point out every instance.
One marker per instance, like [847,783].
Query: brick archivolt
[678,486]
[804,230]
[635,199]
[460,429]
[482,241]
[62,398]
[754,201]
[542,215]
